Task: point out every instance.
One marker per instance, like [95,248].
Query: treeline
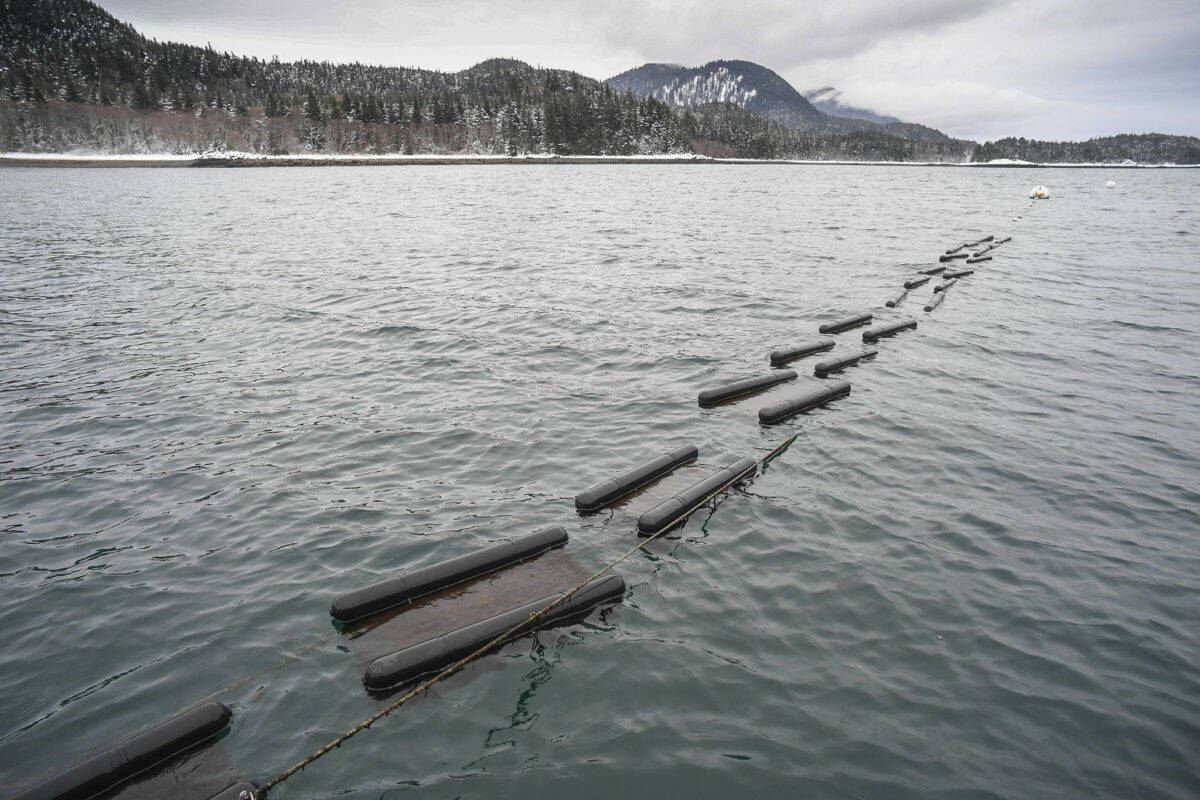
[59,127]
[713,130]
[1144,148]
[726,129]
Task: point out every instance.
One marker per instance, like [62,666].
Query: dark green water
[226,396]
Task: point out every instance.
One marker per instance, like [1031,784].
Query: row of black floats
[678,507]
[360,611]
[432,643]
[980,252]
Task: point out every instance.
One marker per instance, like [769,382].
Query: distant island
[73,79]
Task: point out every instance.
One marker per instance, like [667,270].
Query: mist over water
[228,395]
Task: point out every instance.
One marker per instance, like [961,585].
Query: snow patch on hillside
[718,86]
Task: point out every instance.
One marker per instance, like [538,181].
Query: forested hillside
[74,52]
[1142,148]
[726,129]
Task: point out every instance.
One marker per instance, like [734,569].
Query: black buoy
[955,250]
[402,666]
[944,259]
[729,391]
[981,241]
[360,603]
[896,299]
[670,511]
[890,329]
[935,301]
[913,283]
[944,285]
[933,270]
[778,412]
[130,757]
[982,250]
[845,324]
[1002,241]
[786,354]
[961,273]
[616,488]
[978,259]
[838,363]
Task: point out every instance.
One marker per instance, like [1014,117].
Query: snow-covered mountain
[828,100]
[760,91]
[749,85]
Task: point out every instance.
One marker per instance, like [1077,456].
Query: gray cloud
[785,33]
[976,68]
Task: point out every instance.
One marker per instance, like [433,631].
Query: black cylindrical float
[616,488]
[432,655]
[738,388]
[668,512]
[778,412]
[932,270]
[132,756]
[982,251]
[978,259]
[896,299]
[786,354]
[844,324]
[891,329]
[981,241]
[955,250]
[944,259]
[1005,239]
[959,273]
[935,301]
[838,363]
[359,603]
[944,285]
[913,283]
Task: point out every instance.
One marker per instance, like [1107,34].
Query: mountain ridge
[828,100]
[759,90]
[762,91]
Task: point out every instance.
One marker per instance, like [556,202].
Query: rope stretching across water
[520,627]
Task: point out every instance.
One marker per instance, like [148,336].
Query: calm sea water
[226,396]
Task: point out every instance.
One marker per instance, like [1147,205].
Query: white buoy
[1039,193]
[1111,184]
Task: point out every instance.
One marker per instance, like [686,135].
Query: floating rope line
[520,627]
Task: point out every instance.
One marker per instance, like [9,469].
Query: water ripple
[228,395]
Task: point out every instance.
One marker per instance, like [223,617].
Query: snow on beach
[333,159]
[98,156]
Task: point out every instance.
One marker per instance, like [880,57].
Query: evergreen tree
[141,97]
[312,108]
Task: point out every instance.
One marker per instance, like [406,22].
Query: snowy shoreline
[239,159]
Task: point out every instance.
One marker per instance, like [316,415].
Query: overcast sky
[1051,69]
